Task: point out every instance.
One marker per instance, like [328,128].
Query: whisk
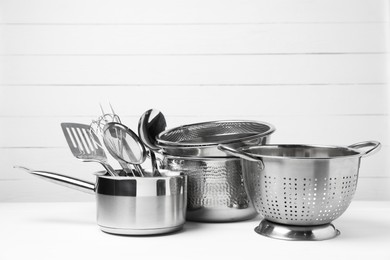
[97,125]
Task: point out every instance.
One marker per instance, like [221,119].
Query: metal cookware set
[219,171]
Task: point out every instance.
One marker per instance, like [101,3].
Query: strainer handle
[240,154]
[374,144]
[236,153]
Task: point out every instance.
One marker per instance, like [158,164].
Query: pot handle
[374,144]
[241,154]
[63,180]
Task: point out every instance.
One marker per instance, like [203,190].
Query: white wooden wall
[315,69]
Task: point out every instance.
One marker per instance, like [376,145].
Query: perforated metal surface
[315,194]
[215,188]
[212,133]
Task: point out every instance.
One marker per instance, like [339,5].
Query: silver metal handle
[236,153]
[241,154]
[154,163]
[109,169]
[63,180]
[374,144]
[159,161]
[126,168]
[139,170]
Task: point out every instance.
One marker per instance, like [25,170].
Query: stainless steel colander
[301,186]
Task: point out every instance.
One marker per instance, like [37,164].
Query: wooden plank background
[317,70]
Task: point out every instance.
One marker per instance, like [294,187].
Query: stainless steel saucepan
[133,205]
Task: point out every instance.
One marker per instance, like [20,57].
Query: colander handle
[241,154]
[374,144]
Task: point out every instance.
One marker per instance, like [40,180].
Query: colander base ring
[296,233]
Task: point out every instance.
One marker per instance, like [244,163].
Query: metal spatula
[85,145]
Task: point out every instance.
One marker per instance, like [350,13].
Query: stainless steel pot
[133,205]
[216,190]
[302,187]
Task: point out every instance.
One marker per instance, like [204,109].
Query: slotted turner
[85,145]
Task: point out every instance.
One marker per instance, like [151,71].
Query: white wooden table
[67,230]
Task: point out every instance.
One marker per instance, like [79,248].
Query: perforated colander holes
[327,196]
[270,206]
[310,197]
[254,186]
[337,194]
[305,208]
[325,211]
[332,188]
[348,187]
[290,198]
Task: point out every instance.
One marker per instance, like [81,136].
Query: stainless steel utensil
[98,124]
[300,189]
[202,139]
[155,166]
[132,205]
[124,145]
[85,145]
[97,127]
[151,124]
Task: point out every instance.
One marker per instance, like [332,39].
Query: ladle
[151,123]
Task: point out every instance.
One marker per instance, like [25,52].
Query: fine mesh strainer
[202,139]
[300,189]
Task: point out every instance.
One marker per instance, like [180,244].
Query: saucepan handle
[373,145]
[240,154]
[62,180]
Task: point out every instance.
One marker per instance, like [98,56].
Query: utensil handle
[62,180]
[139,169]
[109,169]
[126,168]
[154,163]
[374,144]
